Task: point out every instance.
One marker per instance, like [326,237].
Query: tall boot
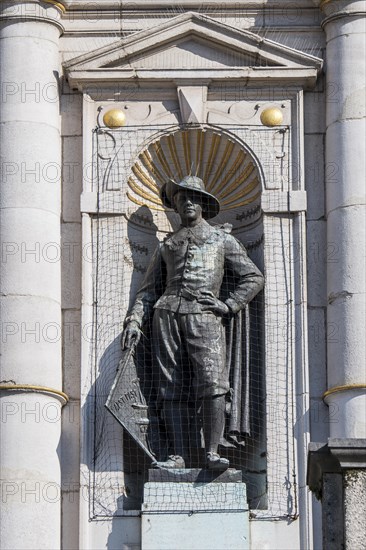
[213,426]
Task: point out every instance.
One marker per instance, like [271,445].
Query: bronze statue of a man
[182,288]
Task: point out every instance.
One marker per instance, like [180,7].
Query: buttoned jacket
[189,266]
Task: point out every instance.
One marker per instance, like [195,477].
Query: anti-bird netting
[129,167]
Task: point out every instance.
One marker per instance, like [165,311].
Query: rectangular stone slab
[182,516]
[197,475]
[194,497]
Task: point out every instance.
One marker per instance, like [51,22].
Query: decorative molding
[57,4]
[60,395]
[340,15]
[216,47]
[145,5]
[39,13]
[322,3]
[337,9]
[333,458]
[346,387]
[60,4]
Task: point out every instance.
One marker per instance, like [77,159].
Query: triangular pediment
[188,42]
[194,52]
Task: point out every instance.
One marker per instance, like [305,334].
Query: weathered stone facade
[207,68]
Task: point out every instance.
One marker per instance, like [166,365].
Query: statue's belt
[191,294]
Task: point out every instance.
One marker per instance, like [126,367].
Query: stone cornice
[105,9]
[258,59]
[167,5]
[333,458]
[172,29]
[350,453]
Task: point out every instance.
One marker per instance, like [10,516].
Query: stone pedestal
[337,476]
[185,509]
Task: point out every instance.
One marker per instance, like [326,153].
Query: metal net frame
[126,227]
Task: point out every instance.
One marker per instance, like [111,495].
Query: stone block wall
[299,29]
[71,246]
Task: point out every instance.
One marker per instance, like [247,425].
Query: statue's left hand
[210,303]
[130,335]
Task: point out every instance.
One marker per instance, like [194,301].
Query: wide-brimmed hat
[210,204]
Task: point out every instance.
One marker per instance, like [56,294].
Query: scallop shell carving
[228,171]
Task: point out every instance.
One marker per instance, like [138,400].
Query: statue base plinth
[193,508]
[195,475]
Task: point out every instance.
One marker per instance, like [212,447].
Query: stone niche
[195,93]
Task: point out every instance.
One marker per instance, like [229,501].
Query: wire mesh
[126,229]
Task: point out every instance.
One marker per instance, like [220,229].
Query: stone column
[30,385]
[344,25]
[336,470]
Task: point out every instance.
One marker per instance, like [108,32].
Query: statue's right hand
[131,335]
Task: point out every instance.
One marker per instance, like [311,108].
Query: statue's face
[188,207]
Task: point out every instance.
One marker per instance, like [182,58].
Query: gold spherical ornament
[272,116]
[114,118]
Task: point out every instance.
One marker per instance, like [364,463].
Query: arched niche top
[227,167]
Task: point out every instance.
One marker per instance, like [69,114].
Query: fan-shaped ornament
[228,170]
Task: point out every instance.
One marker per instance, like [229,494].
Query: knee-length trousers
[189,353]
